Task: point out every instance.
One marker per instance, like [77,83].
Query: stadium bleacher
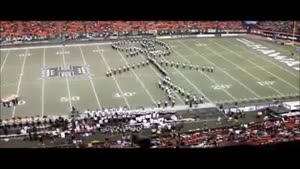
[278,130]
[12,31]
[279,26]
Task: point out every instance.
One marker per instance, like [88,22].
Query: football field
[241,74]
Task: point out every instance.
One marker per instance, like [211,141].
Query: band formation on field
[155,53]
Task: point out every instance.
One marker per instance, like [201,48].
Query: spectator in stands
[42,30]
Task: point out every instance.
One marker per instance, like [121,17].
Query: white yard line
[262,57]
[43,83]
[137,77]
[254,77]
[159,77]
[242,84]
[2,66]
[20,80]
[297,88]
[192,84]
[204,73]
[55,46]
[116,82]
[219,55]
[67,80]
[91,80]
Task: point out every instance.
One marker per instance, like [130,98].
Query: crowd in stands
[161,123]
[266,132]
[27,31]
[41,30]
[109,121]
[279,26]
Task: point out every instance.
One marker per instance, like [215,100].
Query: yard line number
[21,102]
[220,87]
[62,52]
[126,94]
[98,50]
[24,54]
[266,83]
[201,44]
[66,99]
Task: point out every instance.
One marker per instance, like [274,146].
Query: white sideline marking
[55,46]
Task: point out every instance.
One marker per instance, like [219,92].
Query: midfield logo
[65,72]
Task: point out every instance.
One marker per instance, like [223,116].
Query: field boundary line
[56,46]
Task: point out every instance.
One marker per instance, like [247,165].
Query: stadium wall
[277,35]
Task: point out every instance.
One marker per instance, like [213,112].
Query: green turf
[236,65]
